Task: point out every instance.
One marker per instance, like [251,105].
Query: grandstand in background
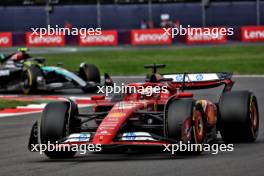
[16,15]
[66,2]
[129,21]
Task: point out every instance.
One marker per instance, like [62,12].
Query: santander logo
[150,37]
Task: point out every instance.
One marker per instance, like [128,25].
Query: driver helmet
[23,50]
[20,55]
[155,78]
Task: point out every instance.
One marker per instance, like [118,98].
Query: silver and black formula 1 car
[30,75]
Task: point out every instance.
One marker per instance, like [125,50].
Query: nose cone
[111,124]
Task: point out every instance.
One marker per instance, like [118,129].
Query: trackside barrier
[206,35]
[150,37]
[134,37]
[6,39]
[44,40]
[252,33]
[107,38]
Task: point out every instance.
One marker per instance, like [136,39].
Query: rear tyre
[185,121]
[29,80]
[56,123]
[89,72]
[239,116]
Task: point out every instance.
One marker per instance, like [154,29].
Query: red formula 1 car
[169,115]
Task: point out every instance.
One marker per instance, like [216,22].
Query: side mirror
[108,80]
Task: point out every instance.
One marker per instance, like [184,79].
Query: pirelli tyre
[185,121]
[89,72]
[53,129]
[29,79]
[239,116]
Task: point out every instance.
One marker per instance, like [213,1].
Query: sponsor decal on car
[79,137]
[137,136]
[105,128]
[124,105]
[179,78]
[199,77]
[4,72]
[104,132]
[129,136]
[193,77]
[116,114]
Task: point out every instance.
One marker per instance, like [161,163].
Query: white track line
[140,77]
[4,115]
[16,114]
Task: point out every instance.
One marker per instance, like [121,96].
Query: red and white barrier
[150,37]
[252,33]
[5,39]
[33,39]
[106,38]
[207,35]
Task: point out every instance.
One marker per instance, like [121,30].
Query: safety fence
[135,37]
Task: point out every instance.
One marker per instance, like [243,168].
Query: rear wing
[200,80]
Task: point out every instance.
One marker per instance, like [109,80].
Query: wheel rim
[26,82]
[254,118]
[186,130]
[199,127]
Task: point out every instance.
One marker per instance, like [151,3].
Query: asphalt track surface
[246,159]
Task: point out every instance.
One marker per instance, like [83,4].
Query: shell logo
[117,114]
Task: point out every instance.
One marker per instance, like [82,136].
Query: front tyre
[56,123]
[89,72]
[239,116]
[185,122]
[29,79]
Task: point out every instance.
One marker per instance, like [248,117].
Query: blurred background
[18,16]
